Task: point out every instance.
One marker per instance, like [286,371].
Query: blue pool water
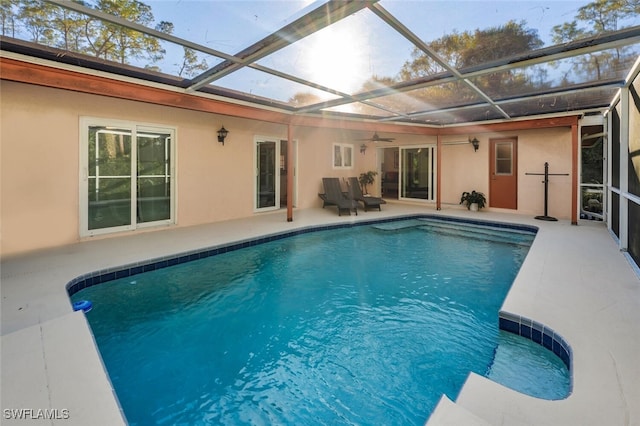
[358,325]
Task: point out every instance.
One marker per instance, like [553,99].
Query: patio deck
[574,280]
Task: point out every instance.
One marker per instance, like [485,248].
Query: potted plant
[473,200]
[367,179]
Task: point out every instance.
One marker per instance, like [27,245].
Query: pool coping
[584,288]
[44,306]
[531,330]
[122,271]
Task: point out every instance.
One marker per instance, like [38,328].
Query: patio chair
[368,201]
[333,195]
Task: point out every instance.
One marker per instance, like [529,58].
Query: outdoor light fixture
[222,134]
[475,143]
[363,148]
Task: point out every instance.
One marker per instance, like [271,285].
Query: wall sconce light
[222,134]
[363,148]
[475,143]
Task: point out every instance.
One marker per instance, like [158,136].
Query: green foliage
[469,198]
[301,99]
[47,23]
[592,165]
[367,179]
[190,66]
[595,18]
[117,43]
[35,17]
[56,26]
[471,48]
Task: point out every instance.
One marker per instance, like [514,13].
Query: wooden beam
[574,174]
[361,125]
[511,126]
[42,75]
[290,171]
[439,173]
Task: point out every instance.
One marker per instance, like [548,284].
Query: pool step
[452,224]
[398,225]
[462,229]
[479,234]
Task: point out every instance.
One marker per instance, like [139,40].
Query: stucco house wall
[41,169]
[41,166]
[466,170]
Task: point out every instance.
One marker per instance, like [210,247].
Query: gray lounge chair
[333,195]
[356,193]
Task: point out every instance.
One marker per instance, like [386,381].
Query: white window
[126,179]
[342,156]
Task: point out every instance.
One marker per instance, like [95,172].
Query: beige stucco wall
[536,148]
[40,169]
[464,170]
[40,162]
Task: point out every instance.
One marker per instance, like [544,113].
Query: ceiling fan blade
[376,138]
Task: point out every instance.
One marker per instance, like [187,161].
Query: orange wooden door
[503,179]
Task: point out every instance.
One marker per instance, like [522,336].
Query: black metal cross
[546,175]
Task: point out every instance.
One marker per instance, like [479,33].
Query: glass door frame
[258,141]
[291,192]
[134,128]
[432,173]
[600,190]
[167,173]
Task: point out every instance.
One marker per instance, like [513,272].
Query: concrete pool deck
[574,280]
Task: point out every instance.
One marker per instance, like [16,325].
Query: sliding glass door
[267,180]
[271,165]
[109,178]
[126,177]
[154,176]
[417,173]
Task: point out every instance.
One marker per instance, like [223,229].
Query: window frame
[339,155]
[499,161]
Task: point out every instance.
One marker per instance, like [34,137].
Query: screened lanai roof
[422,62]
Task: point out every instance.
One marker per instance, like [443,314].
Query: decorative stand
[546,175]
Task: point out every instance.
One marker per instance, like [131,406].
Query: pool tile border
[123,271]
[538,333]
[516,324]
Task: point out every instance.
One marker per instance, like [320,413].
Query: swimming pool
[344,326]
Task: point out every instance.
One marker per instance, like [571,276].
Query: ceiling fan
[377,138]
